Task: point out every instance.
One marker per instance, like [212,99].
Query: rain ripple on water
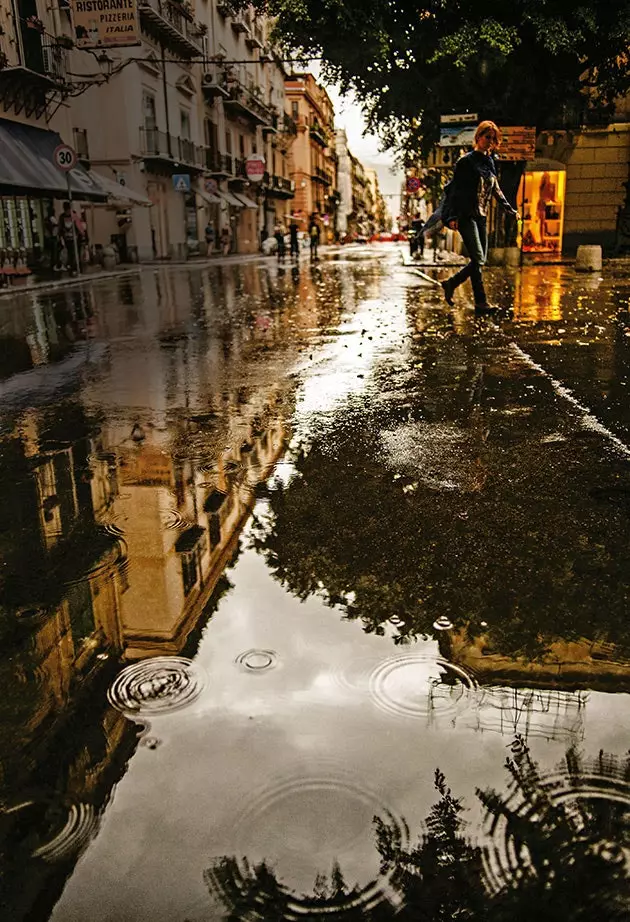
[51,831]
[304,824]
[419,685]
[157,686]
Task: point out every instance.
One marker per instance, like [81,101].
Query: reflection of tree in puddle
[555,846]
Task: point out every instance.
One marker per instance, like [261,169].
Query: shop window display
[541,195]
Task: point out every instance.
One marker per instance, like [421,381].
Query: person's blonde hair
[483,127]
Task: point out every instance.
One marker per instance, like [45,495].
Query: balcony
[238,171]
[254,41]
[213,83]
[172,24]
[288,126]
[279,187]
[40,75]
[239,26]
[166,152]
[323,176]
[318,134]
[242,101]
[218,164]
[223,10]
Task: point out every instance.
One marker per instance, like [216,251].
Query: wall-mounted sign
[255,168]
[457,135]
[181,182]
[211,185]
[518,143]
[462,118]
[105,23]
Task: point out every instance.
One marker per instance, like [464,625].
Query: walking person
[313,233]
[416,237]
[466,207]
[278,233]
[226,240]
[294,239]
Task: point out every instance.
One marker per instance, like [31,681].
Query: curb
[36,287]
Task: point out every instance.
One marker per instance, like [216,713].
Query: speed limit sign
[64,157]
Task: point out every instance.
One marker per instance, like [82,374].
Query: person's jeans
[475,237]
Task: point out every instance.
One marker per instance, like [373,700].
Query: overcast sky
[348,115]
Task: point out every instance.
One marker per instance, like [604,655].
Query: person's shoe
[448,289]
[485,308]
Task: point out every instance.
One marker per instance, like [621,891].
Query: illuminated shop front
[540,199]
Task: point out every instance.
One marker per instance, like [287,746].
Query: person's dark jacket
[462,200]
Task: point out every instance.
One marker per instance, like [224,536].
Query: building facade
[313,159]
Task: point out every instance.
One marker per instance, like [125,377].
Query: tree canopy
[526,62]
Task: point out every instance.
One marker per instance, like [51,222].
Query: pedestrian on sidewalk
[278,233]
[313,233]
[294,239]
[466,206]
[416,237]
[226,240]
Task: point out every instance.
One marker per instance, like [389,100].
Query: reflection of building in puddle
[543,696]
[61,586]
[538,294]
[182,520]
[552,714]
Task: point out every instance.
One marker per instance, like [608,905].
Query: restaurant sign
[105,23]
[517,143]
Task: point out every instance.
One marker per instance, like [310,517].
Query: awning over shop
[209,198]
[248,202]
[230,199]
[120,195]
[27,168]
[543,165]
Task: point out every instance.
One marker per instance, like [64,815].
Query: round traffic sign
[413,184]
[64,157]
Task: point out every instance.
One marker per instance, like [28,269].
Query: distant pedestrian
[226,240]
[313,236]
[416,237]
[278,233]
[294,239]
[466,206]
[51,238]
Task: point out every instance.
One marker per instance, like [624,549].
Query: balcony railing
[239,168]
[278,186]
[322,175]
[219,164]
[171,22]
[318,134]
[244,101]
[289,125]
[159,145]
[44,56]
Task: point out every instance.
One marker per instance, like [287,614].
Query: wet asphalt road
[278,544]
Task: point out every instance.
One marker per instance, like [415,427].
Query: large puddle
[314,604]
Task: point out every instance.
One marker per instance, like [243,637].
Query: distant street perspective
[314,461]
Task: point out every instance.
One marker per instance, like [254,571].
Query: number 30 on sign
[64,157]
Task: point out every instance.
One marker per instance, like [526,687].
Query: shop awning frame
[247,202]
[27,168]
[230,198]
[119,195]
[209,198]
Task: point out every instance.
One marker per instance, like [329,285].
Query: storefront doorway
[541,198]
